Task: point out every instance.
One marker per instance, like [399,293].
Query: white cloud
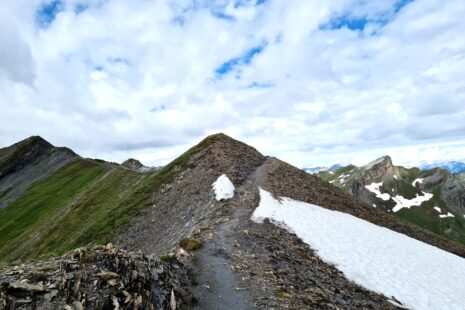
[118,78]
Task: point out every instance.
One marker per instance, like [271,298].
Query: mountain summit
[26,162]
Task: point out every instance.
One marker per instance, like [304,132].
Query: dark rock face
[369,173]
[452,188]
[104,278]
[26,162]
[377,169]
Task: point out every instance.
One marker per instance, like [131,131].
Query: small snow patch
[224,188]
[446,215]
[402,202]
[438,209]
[418,180]
[418,275]
[374,188]
[395,177]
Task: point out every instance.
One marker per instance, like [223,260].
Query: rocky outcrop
[132,164]
[369,173]
[103,278]
[377,169]
[26,162]
[452,188]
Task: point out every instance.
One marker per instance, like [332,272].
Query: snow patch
[438,209]
[417,180]
[446,215]
[395,177]
[417,274]
[223,187]
[374,188]
[402,202]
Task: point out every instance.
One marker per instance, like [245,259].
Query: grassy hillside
[25,223]
[83,202]
[428,218]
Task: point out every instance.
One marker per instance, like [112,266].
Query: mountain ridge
[26,162]
[86,203]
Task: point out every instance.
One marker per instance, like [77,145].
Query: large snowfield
[417,274]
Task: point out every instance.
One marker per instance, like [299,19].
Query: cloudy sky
[312,82]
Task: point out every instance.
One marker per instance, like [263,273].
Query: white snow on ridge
[374,188]
[224,188]
[438,209]
[446,215]
[417,180]
[402,202]
[419,275]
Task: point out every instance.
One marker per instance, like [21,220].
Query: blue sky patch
[79,8]
[401,4]
[359,23]
[244,59]
[222,15]
[352,24]
[239,3]
[158,108]
[119,60]
[47,12]
[260,85]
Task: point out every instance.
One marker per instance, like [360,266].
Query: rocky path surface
[219,286]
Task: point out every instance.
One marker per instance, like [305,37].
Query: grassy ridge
[19,220]
[81,203]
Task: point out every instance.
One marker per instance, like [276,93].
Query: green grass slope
[83,202]
[427,217]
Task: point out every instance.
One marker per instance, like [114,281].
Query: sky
[310,82]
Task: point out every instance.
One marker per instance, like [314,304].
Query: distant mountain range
[433,199]
[451,166]
[322,168]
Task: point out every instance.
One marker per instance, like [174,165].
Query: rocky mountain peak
[384,161]
[133,164]
[378,168]
[35,142]
[27,161]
